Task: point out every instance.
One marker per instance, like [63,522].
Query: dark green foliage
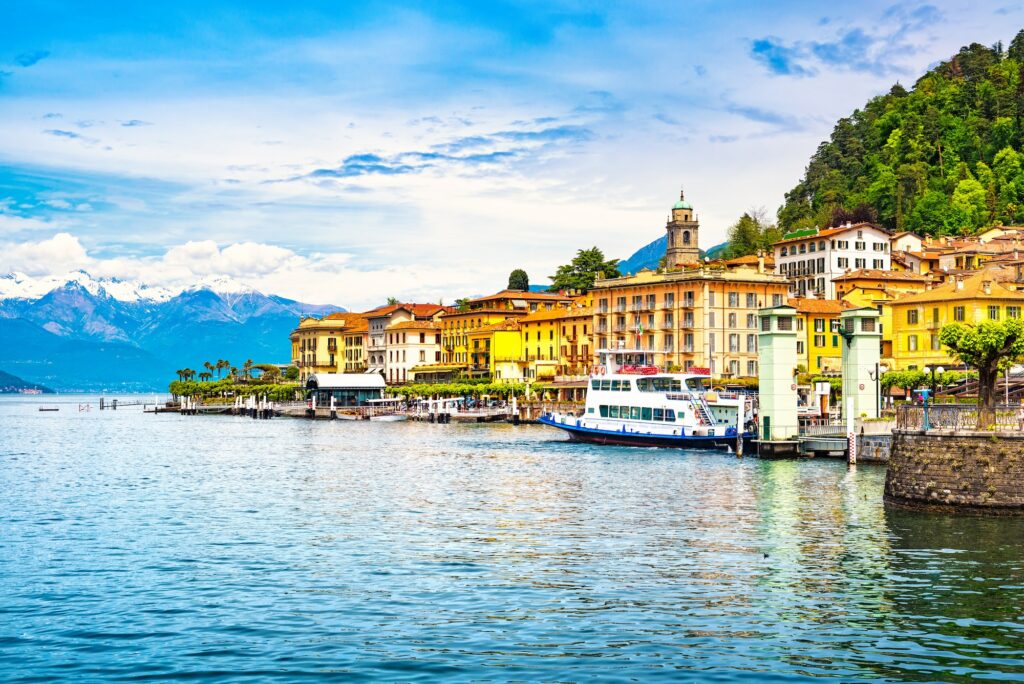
[942,158]
[750,234]
[581,273]
[518,280]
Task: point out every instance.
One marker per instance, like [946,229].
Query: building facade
[918,318]
[705,318]
[326,345]
[410,344]
[812,259]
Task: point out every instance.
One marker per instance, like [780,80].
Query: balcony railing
[620,327]
[620,308]
[668,304]
[667,325]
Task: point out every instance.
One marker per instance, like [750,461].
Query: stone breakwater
[957,472]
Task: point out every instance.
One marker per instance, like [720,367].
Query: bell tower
[683,230]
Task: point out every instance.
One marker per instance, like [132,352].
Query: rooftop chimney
[986,287]
[959,283]
[760,261]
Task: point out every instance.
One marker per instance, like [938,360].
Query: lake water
[227,549]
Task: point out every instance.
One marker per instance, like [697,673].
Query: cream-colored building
[332,344]
[410,343]
[380,354]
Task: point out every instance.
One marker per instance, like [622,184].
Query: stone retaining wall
[874,448]
[973,472]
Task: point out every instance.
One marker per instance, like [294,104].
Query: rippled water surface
[148,547]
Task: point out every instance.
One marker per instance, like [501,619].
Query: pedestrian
[1020,417]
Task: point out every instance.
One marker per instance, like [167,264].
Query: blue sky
[346,152]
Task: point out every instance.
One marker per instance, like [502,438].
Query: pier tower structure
[862,337]
[776,341]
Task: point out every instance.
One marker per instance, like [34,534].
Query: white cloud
[59,254]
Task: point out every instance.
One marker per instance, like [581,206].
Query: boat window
[595,384]
[695,384]
[677,386]
[604,411]
[670,416]
[645,413]
[590,410]
[655,384]
[615,385]
[606,385]
[659,414]
[634,413]
[626,386]
[613,411]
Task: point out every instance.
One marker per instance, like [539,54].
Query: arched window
[686,237]
[671,238]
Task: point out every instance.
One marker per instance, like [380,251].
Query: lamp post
[876,375]
[934,369]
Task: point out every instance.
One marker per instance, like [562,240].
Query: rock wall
[874,448]
[957,472]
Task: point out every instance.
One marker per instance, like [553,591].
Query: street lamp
[934,369]
[876,376]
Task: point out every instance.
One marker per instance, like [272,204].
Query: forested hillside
[943,158]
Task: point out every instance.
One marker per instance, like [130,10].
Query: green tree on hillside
[750,234]
[583,270]
[991,347]
[940,158]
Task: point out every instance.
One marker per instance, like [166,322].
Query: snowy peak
[224,285]
[22,286]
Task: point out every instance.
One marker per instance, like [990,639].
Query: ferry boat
[631,402]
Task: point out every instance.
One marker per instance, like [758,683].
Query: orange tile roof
[508,324]
[414,325]
[819,306]
[826,232]
[874,274]
[750,260]
[973,287]
[521,294]
[556,313]
[415,309]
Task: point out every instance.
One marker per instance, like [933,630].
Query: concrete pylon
[777,397]
[862,343]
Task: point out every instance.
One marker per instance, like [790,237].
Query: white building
[812,258]
[410,344]
[380,322]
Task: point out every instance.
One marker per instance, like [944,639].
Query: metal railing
[957,417]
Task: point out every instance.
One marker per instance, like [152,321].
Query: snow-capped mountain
[82,332]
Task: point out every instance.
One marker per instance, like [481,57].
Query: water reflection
[138,546]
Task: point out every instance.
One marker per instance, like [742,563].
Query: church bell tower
[683,230]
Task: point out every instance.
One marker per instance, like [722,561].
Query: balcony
[668,304]
[620,327]
[620,308]
[667,325]
[687,303]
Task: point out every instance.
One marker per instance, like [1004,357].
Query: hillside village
[692,313]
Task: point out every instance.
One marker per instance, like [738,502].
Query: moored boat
[631,402]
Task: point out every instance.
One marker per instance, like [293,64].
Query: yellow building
[918,318]
[496,350]
[704,317]
[485,311]
[332,344]
[557,342]
[819,346]
[878,289]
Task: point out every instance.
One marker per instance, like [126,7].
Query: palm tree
[209,367]
[247,369]
[188,373]
[180,373]
[206,375]
[221,365]
[234,373]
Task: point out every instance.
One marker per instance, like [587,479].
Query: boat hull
[595,436]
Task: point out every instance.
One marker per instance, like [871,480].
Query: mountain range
[83,333]
[11,384]
[650,255]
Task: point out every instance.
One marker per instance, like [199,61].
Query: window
[935,343]
[711,299]
[935,315]
[604,411]
[819,340]
[859,246]
[613,411]
[734,366]
[634,413]
[814,247]
[821,245]
[819,325]
[688,342]
[732,320]
[711,342]
[799,346]
[751,368]
[843,262]
[993,313]
[860,263]
[751,303]
[734,299]
[911,342]
[785,322]
[688,319]
[776,300]
[711,319]
[877,263]
[751,343]
[734,342]
[670,300]
[867,325]
[803,248]
[958,313]
[785,251]
[766,324]
[1013,312]
[751,321]
[912,317]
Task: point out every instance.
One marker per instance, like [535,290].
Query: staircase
[702,410]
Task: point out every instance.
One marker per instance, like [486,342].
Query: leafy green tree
[750,234]
[970,205]
[392,301]
[581,273]
[291,373]
[991,347]
[518,280]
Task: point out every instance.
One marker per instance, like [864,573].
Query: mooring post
[851,434]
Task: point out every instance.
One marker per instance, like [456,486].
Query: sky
[343,153]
